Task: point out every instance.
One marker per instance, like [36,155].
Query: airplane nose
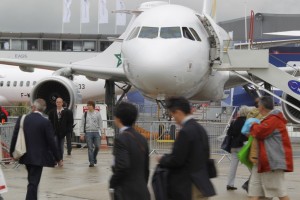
[159,69]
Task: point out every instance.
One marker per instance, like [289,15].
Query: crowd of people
[187,164]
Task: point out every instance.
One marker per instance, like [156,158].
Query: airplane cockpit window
[187,34]
[27,83]
[21,83]
[170,32]
[149,32]
[15,83]
[195,34]
[134,33]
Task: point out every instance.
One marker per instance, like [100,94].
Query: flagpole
[80,17]
[62,20]
[98,15]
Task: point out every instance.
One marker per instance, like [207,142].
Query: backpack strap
[137,141]
[85,114]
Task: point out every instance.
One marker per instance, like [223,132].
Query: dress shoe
[91,165]
[231,187]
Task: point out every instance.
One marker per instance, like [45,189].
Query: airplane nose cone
[160,69]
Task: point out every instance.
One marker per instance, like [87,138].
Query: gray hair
[243,111]
[40,105]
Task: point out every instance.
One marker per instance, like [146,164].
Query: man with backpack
[91,129]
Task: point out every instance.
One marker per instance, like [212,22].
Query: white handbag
[20,148]
[3,185]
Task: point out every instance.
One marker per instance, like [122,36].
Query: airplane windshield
[134,33]
[170,32]
[149,32]
[195,34]
[187,34]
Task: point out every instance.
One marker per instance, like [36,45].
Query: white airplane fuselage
[165,63]
[16,85]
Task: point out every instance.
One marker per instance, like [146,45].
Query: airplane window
[170,32]
[21,83]
[1,83]
[187,34]
[8,83]
[134,33]
[27,83]
[34,82]
[149,32]
[15,83]
[195,34]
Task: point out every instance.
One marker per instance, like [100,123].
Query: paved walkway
[77,181]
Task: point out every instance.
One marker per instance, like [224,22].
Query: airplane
[16,86]
[166,50]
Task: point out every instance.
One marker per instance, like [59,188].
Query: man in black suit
[41,149]
[131,159]
[62,122]
[188,175]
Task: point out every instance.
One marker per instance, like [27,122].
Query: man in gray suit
[41,150]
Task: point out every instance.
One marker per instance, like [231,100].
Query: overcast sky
[46,15]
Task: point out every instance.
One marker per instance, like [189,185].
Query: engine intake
[56,86]
[291,113]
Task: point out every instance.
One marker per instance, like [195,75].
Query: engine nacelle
[56,86]
[291,113]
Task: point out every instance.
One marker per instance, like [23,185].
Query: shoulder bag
[20,148]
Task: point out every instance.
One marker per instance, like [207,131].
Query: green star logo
[119,57]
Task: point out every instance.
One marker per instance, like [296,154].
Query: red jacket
[5,111]
[275,149]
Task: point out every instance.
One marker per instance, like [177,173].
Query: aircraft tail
[210,8]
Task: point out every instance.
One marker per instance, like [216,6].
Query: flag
[85,11]
[121,17]
[67,11]
[102,12]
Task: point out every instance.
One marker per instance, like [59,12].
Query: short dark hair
[92,103]
[178,103]
[267,102]
[127,113]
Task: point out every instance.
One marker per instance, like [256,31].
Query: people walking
[237,142]
[188,173]
[274,153]
[131,157]
[91,129]
[62,122]
[41,149]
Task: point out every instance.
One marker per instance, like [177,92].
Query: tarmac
[76,180]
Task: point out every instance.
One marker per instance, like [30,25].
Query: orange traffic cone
[103,145]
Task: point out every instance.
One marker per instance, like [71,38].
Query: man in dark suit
[41,149]
[131,159]
[188,175]
[62,122]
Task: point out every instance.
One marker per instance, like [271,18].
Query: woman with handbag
[237,142]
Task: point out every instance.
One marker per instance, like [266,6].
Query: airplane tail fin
[210,8]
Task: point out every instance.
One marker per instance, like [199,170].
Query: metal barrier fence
[6,132]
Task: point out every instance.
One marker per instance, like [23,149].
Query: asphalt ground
[76,180]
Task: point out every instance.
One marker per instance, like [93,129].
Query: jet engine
[291,113]
[56,86]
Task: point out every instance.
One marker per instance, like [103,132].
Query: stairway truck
[81,108]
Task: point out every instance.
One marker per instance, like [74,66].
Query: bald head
[59,103]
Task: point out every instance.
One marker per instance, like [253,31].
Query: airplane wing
[108,73]
[285,33]
[266,44]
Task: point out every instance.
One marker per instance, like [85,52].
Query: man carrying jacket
[188,174]
[274,155]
